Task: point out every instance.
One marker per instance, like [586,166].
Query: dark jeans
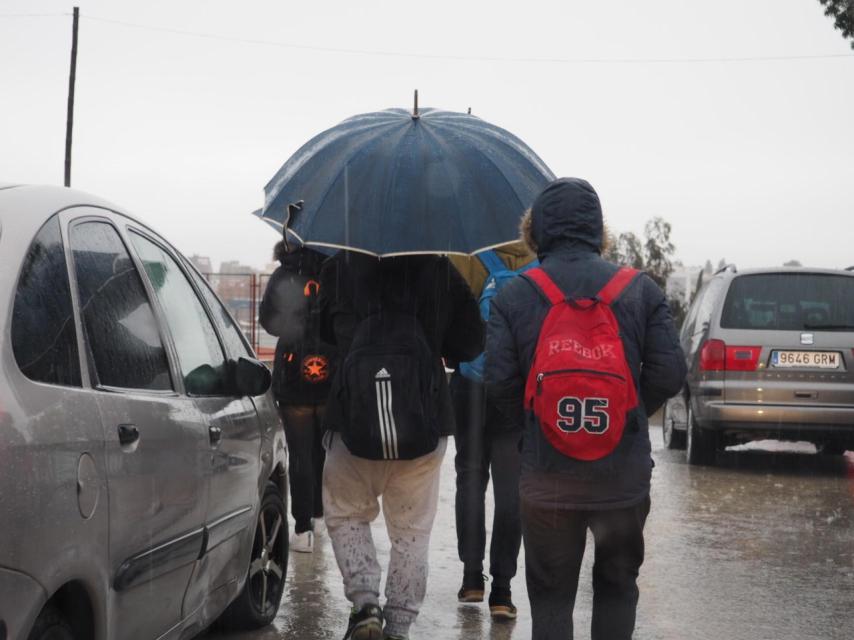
[554,546]
[304,434]
[478,450]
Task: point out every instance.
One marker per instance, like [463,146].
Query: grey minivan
[142,462]
[770,355]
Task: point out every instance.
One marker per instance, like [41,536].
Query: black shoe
[473,586]
[501,604]
[365,624]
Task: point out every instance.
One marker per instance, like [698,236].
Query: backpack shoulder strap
[491,261]
[617,284]
[545,284]
[531,265]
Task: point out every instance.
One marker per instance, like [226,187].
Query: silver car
[142,462]
[770,355]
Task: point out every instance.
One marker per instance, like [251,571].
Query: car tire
[673,438]
[50,625]
[701,445]
[258,602]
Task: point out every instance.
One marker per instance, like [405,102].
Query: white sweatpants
[410,494]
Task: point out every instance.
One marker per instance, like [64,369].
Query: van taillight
[713,356]
[742,358]
[717,356]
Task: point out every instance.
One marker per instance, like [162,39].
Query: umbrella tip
[415,114]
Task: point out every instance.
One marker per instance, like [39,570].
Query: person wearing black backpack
[388,418]
[589,350]
[302,372]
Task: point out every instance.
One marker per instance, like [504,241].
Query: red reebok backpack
[580,386]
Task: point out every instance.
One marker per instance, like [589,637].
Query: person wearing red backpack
[590,350]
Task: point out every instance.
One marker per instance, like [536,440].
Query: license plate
[805,359]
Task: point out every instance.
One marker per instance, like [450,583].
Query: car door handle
[128,434]
[215,435]
[806,394]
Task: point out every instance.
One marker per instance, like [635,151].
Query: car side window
[202,362]
[706,307]
[691,318]
[44,340]
[120,327]
[234,341]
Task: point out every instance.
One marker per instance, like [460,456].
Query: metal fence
[241,293]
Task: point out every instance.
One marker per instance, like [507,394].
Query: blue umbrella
[396,183]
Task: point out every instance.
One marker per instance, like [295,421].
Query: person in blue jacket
[562,497]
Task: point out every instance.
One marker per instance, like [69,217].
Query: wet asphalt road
[760,547]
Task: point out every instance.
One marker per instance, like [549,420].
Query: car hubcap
[266,572]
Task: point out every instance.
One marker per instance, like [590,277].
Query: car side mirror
[251,377]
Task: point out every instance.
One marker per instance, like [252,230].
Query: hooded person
[564,492]
[302,372]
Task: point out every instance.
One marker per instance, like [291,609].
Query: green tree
[842,12]
[653,254]
[792,263]
[658,250]
[625,248]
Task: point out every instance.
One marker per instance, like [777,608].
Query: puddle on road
[761,546]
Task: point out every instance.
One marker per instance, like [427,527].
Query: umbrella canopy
[396,183]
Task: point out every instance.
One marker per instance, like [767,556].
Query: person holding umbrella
[397,191]
[418,298]
[302,371]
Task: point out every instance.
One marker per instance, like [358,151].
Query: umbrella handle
[293,207]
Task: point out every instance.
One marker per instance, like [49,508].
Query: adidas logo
[382,373]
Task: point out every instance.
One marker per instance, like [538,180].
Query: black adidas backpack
[389,389]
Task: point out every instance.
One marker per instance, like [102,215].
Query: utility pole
[69,123]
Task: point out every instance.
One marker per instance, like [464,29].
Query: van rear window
[790,302]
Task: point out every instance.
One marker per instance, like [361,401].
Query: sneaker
[501,604]
[473,586]
[318,526]
[365,624]
[303,542]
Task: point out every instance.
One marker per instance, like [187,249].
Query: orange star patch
[315,369]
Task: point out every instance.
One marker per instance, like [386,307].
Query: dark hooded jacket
[566,227]
[304,363]
[355,286]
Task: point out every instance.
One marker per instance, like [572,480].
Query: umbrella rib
[522,206]
[301,157]
[443,145]
[350,158]
[509,141]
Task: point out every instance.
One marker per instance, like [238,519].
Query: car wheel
[673,437]
[258,602]
[701,445]
[50,625]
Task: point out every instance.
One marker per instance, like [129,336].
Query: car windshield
[790,302]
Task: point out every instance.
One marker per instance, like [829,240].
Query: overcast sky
[752,161]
